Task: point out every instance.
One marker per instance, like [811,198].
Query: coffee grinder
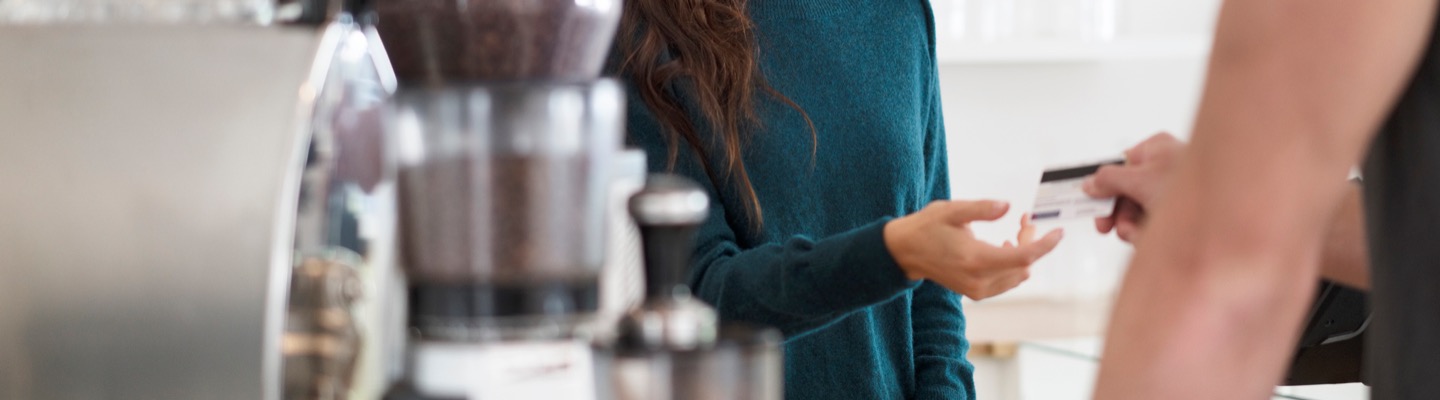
[504,137]
[506,143]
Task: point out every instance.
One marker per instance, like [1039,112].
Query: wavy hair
[708,47]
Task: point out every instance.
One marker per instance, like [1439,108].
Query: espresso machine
[508,150]
[148,155]
[168,167]
[505,141]
[257,199]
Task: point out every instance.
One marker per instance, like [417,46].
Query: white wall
[1007,122]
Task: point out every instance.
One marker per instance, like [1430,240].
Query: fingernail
[1089,184]
[1001,206]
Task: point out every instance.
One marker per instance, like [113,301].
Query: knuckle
[966,260]
[961,256]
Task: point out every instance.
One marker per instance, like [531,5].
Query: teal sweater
[818,268]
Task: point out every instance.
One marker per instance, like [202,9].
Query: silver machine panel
[148,177]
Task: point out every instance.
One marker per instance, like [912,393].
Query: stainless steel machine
[151,154]
[344,236]
[148,204]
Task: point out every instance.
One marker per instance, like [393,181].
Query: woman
[807,173]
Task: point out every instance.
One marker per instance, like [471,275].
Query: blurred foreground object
[150,155]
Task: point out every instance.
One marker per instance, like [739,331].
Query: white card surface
[1061,197]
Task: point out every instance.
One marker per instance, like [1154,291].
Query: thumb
[964,212]
[1158,144]
[1113,181]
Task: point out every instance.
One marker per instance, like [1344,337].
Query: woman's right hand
[937,244]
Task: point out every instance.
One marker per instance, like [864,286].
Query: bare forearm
[1213,300]
[1346,256]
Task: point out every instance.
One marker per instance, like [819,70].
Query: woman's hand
[937,244]
[1136,185]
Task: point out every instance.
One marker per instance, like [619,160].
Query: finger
[959,285]
[1115,181]
[1130,215]
[1104,225]
[1008,244]
[1126,215]
[1127,231]
[1152,145]
[1130,224]
[1027,231]
[1165,140]
[1128,211]
[1020,256]
[1007,283]
[1134,155]
[964,212]
[1131,209]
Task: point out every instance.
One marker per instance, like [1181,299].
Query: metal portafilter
[673,347]
[668,211]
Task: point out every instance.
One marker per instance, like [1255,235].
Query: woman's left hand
[937,244]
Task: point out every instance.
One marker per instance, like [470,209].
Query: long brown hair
[710,48]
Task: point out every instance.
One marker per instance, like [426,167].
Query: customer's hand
[1137,184]
[937,244]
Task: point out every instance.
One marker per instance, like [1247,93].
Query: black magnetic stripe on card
[1045,215]
[1075,172]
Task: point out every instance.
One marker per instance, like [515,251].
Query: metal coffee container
[502,191]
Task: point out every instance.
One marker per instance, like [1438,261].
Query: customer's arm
[1346,256]
[1214,297]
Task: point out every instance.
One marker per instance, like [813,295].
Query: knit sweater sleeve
[797,284]
[941,370]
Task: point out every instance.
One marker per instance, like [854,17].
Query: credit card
[1061,197]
